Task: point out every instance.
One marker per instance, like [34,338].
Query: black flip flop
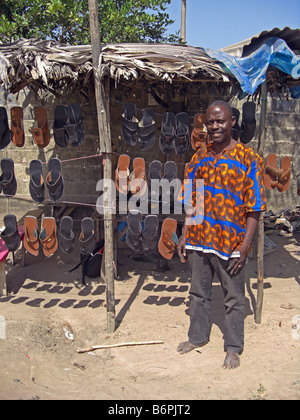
[60,120]
[129,124]
[87,239]
[248,124]
[54,180]
[155,170]
[133,235]
[182,135]
[66,235]
[10,234]
[74,127]
[5,133]
[36,183]
[236,129]
[170,173]
[8,182]
[150,234]
[146,128]
[167,134]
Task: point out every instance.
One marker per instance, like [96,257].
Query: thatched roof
[52,66]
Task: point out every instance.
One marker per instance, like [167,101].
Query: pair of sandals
[50,238]
[54,180]
[246,131]
[8,182]
[10,234]
[47,236]
[175,133]
[142,237]
[68,126]
[136,178]
[275,177]
[5,133]
[158,173]
[66,237]
[135,131]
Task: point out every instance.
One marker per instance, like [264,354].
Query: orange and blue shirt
[233,186]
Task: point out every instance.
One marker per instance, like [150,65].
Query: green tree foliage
[67,21]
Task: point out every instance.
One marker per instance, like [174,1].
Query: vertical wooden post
[261,234]
[3,289]
[183,21]
[102,91]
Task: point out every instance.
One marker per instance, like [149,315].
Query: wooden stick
[102,92]
[110,346]
[260,236]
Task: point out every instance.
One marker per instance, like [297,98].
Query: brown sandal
[199,133]
[48,237]
[271,173]
[31,240]
[168,238]
[122,174]
[138,182]
[285,177]
[17,126]
[41,134]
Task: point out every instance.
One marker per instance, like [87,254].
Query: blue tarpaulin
[251,71]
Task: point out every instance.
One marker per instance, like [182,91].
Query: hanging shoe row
[175,133]
[67,126]
[54,180]
[143,237]
[130,180]
[49,237]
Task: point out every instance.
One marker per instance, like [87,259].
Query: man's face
[219,123]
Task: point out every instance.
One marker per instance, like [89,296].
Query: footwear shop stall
[102,105]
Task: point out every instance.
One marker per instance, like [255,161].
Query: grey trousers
[204,266]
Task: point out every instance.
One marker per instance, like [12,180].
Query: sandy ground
[38,361]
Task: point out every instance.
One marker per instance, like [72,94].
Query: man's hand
[181,249]
[235,265]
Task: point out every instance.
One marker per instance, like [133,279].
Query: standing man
[233,199]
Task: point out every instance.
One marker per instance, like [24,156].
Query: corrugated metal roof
[246,47]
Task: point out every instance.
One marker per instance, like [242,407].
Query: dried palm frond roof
[52,66]
[159,61]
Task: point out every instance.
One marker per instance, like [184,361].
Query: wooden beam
[3,288]
[102,87]
[261,234]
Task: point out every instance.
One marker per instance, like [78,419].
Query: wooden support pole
[183,21]
[261,234]
[3,288]
[102,88]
